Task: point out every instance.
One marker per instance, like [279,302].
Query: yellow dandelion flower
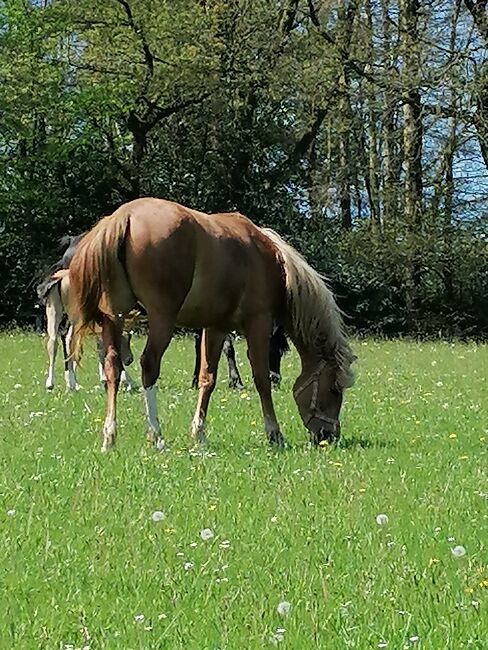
[463,457]
[433,560]
[469,590]
[453,435]
[482,439]
[484,584]
[323,443]
[212,507]
[243,395]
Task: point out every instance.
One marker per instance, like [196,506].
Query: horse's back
[214,269]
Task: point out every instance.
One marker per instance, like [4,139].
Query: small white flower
[188,565]
[139,618]
[283,608]
[450,539]
[193,544]
[276,638]
[11,513]
[274,519]
[157,515]
[458,551]
[206,534]
[225,544]
[382,644]
[382,519]
[413,639]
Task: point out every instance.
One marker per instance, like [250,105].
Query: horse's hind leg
[212,341]
[69,364]
[278,346]
[198,358]
[257,335]
[159,337]
[111,335]
[235,380]
[101,361]
[54,316]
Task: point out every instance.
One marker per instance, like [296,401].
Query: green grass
[81,556]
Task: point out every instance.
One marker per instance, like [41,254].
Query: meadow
[380,542]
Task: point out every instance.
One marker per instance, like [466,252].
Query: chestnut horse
[218,272]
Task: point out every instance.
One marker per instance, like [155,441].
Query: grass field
[83,564]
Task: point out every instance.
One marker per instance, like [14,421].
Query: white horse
[55,296]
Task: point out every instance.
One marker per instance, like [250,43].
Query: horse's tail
[92,272]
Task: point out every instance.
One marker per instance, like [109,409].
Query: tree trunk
[412,145]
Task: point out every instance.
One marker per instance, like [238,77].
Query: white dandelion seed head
[458,551]
[381,519]
[139,618]
[157,515]
[11,513]
[206,534]
[284,608]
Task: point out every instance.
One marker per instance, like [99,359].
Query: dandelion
[458,551]
[11,513]
[274,519]
[206,534]
[157,515]
[452,436]
[484,584]
[212,507]
[139,618]
[284,608]
[382,519]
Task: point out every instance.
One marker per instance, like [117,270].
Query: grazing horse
[218,272]
[53,293]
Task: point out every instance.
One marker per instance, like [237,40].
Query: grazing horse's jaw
[319,402]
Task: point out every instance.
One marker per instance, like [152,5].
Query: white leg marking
[198,429]
[126,381]
[70,378]
[153,427]
[101,372]
[109,433]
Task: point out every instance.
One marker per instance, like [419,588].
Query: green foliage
[285,111]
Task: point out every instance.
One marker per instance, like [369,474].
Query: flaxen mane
[316,318]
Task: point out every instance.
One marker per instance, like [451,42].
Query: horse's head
[125,349]
[318,393]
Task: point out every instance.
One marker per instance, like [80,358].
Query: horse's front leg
[111,336]
[212,341]
[235,380]
[257,335]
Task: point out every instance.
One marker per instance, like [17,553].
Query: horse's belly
[209,304]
